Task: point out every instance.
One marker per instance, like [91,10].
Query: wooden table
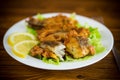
[107,11]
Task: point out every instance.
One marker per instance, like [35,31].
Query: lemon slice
[22,48]
[20,36]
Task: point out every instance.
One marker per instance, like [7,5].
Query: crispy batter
[74,48]
[60,22]
[44,33]
[83,32]
[47,36]
[36,50]
[92,50]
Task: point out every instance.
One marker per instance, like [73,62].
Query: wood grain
[11,11]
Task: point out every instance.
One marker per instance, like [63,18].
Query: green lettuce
[79,25]
[68,58]
[95,39]
[73,16]
[50,61]
[39,16]
[31,31]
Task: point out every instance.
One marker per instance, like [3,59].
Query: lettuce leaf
[95,39]
[47,60]
[73,16]
[79,25]
[94,33]
[50,61]
[68,58]
[39,16]
[31,31]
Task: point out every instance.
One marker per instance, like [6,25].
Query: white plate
[107,41]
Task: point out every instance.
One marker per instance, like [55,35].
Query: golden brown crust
[36,50]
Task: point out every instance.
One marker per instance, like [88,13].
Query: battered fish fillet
[77,43]
[74,48]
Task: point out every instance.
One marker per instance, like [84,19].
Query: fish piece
[77,46]
[49,54]
[56,47]
[34,23]
[59,51]
[73,48]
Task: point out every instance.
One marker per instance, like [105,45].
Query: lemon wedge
[22,48]
[19,36]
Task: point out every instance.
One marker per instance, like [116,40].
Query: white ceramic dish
[107,41]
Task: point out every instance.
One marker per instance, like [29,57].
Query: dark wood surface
[105,11]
